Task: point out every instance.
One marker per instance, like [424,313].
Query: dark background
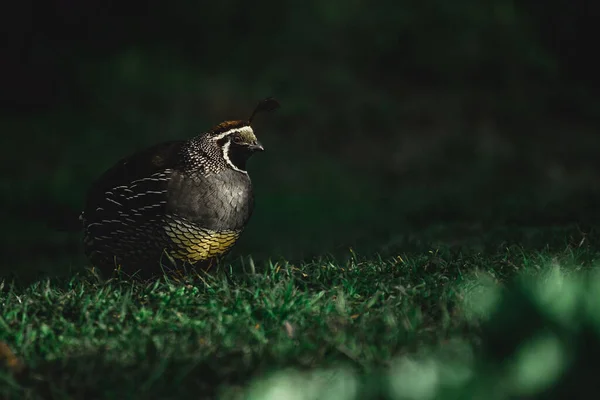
[397,117]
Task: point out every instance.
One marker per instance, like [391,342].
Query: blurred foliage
[540,340]
[498,43]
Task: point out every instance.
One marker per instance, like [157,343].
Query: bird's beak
[256,147]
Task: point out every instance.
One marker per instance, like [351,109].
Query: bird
[173,204]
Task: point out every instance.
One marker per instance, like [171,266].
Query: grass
[439,322]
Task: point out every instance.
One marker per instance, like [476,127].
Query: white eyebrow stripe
[231,131]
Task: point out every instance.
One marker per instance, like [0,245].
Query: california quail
[184,201]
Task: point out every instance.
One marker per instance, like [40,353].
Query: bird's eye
[237,139]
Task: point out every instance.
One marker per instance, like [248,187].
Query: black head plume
[268,104]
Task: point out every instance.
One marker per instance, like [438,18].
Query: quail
[177,203]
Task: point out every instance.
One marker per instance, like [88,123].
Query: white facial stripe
[232,131]
[225,149]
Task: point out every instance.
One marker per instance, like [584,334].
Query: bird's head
[237,140]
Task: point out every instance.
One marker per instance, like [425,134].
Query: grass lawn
[440,322]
